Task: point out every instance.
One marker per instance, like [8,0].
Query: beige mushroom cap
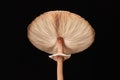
[76,32]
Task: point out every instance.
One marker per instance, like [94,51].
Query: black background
[30,63]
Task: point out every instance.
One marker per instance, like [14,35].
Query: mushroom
[60,33]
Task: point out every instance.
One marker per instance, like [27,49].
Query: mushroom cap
[76,32]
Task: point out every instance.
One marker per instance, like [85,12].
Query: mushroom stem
[59,68]
[60,59]
[60,43]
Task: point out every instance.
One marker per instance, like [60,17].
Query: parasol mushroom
[60,33]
